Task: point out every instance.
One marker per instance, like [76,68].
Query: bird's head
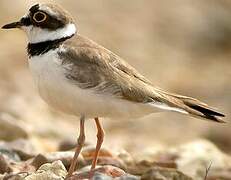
[45,22]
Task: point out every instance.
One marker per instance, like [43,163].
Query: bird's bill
[17,24]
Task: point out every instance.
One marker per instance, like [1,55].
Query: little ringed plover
[77,76]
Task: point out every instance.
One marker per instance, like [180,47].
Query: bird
[77,76]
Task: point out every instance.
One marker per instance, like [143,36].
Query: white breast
[63,95]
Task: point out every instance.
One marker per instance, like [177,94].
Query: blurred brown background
[183,46]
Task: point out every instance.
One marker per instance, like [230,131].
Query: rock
[8,158]
[127,159]
[150,153]
[101,176]
[39,160]
[166,157]
[195,157]
[12,154]
[49,171]
[4,165]
[10,161]
[156,159]
[159,173]
[143,166]
[65,157]
[89,151]
[15,176]
[67,145]
[9,154]
[192,159]
[105,157]
[11,129]
[219,174]
[111,171]
[106,172]
[22,167]
[22,147]
[181,163]
[18,170]
[113,161]
[128,177]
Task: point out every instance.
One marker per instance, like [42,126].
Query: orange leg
[100,137]
[80,144]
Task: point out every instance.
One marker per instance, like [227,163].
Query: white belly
[61,94]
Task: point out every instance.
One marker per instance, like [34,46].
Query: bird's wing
[93,67]
[90,66]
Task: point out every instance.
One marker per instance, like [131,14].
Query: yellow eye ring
[39,17]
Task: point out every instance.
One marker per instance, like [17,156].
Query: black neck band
[35,49]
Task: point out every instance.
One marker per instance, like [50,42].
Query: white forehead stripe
[36,34]
[47,10]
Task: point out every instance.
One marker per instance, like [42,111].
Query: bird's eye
[39,17]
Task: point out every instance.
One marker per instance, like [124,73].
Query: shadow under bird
[77,76]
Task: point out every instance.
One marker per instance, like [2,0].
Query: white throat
[36,34]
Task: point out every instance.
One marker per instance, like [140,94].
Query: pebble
[49,171]
[11,128]
[105,157]
[4,165]
[181,163]
[22,147]
[107,171]
[164,174]
[65,157]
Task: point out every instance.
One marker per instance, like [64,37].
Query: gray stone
[107,171]
[101,176]
[9,154]
[22,147]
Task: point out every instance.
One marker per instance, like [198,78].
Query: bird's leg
[81,140]
[100,137]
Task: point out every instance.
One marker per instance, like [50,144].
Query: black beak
[13,25]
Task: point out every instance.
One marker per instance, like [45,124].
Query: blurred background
[183,46]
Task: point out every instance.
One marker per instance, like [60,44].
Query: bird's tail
[191,106]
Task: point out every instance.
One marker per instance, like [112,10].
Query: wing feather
[91,66]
